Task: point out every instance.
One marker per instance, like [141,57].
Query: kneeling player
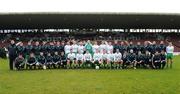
[118,59]
[56,60]
[41,61]
[131,59]
[156,62]
[97,58]
[79,59]
[104,59]
[49,60]
[19,62]
[87,59]
[140,60]
[163,59]
[110,60]
[71,58]
[31,62]
[148,60]
[63,60]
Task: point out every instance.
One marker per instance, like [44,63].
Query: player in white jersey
[110,59]
[87,59]
[97,58]
[118,59]
[95,47]
[67,48]
[104,59]
[81,47]
[74,47]
[170,51]
[79,59]
[109,47]
[102,47]
[71,58]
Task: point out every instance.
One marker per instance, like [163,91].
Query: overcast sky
[123,6]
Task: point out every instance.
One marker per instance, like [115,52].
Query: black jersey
[63,57]
[163,57]
[140,57]
[115,47]
[147,58]
[49,59]
[129,47]
[28,49]
[56,58]
[36,49]
[41,59]
[156,58]
[122,48]
[31,60]
[131,57]
[20,50]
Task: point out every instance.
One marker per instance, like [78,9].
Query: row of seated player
[93,61]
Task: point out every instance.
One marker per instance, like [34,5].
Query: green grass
[140,81]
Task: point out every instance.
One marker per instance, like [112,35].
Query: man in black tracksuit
[12,54]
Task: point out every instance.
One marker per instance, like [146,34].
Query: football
[97,67]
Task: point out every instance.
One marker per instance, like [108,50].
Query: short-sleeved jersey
[88,57]
[109,48]
[102,47]
[81,48]
[71,56]
[95,48]
[67,49]
[79,56]
[105,56]
[74,48]
[117,56]
[97,56]
[110,57]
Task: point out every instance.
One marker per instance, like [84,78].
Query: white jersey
[97,56]
[104,56]
[79,56]
[87,57]
[102,47]
[111,57]
[117,56]
[109,48]
[81,49]
[71,56]
[169,49]
[74,48]
[67,49]
[95,48]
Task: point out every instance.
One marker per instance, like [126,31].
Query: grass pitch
[88,81]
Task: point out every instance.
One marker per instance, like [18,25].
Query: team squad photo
[86,54]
